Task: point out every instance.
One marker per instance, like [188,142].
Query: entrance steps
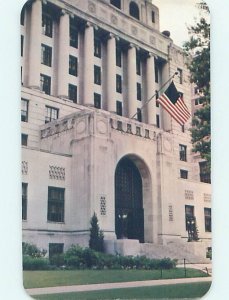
[179,250]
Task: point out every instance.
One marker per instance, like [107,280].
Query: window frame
[183,174]
[97,47]
[46,55]
[119,108]
[73,36]
[45,84]
[59,251]
[207,219]
[138,65]
[183,152]
[48,116]
[158,121]
[24,113]
[72,92]
[24,200]
[97,100]
[139,91]
[189,214]
[22,45]
[97,75]
[139,115]
[58,203]
[118,84]
[73,66]
[134,10]
[47,25]
[118,56]
[116,3]
[24,139]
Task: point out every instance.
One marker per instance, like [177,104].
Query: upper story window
[72,92]
[24,200]
[158,121]
[138,64]
[207,219]
[134,10]
[184,174]
[51,114]
[97,100]
[46,55]
[119,108]
[97,47]
[47,25]
[73,35]
[24,139]
[116,3]
[139,91]
[183,152]
[118,57]
[153,16]
[139,115]
[118,84]
[97,75]
[55,204]
[22,17]
[22,45]
[156,69]
[24,110]
[73,62]
[45,84]
[205,175]
[180,75]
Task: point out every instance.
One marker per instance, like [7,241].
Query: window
[97,47]
[134,10]
[156,69]
[72,92]
[205,175]
[24,110]
[118,84]
[208,219]
[139,91]
[45,84]
[119,108]
[157,96]
[22,44]
[73,35]
[182,128]
[153,16]
[24,200]
[189,215]
[138,65]
[73,62]
[139,114]
[97,100]
[22,17]
[184,174]
[180,75]
[51,114]
[118,57]
[55,204]
[55,249]
[116,3]
[97,75]
[46,55]
[158,121]
[47,25]
[183,152]
[24,139]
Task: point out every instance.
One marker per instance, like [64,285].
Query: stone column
[111,74]
[88,77]
[35,45]
[63,55]
[131,81]
[150,90]
[166,118]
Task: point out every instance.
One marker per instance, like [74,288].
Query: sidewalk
[116,285]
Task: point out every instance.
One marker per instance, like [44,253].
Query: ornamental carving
[57,173]
[103,206]
[134,30]
[114,20]
[152,40]
[91,7]
[189,195]
[207,197]
[24,167]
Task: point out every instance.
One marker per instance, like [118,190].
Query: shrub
[32,250]
[57,260]
[96,235]
[35,263]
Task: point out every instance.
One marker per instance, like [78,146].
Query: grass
[34,279]
[187,290]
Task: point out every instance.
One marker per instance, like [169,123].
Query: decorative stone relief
[152,40]
[57,173]
[134,30]
[103,206]
[101,127]
[91,7]
[114,19]
[207,197]
[189,195]
[170,213]
[24,167]
[81,127]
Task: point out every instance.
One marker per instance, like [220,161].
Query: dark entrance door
[129,213]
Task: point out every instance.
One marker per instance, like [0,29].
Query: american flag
[173,103]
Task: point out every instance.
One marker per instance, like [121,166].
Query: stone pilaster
[131,81]
[88,77]
[63,55]
[150,90]
[111,73]
[35,45]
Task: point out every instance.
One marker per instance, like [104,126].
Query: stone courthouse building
[87,69]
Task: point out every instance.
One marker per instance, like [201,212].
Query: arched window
[116,3]
[134,10]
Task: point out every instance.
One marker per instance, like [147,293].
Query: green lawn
[194,290]
[33,279]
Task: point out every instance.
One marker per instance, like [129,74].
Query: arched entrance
[129,213]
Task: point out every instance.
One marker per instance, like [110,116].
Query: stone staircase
[175,250]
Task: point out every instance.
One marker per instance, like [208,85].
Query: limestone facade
[87,69]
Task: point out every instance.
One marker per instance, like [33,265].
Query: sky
[175,16]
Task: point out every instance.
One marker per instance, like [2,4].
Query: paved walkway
[116,285]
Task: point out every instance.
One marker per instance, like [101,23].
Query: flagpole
[176,73]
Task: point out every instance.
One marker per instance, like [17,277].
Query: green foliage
[199,48]
[96,235]
[57,260]
[35,263]
[32,250]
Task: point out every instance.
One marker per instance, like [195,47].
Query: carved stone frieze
[24,167]
[56,172]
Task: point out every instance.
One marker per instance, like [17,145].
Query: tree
[96,235]
[199,48]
